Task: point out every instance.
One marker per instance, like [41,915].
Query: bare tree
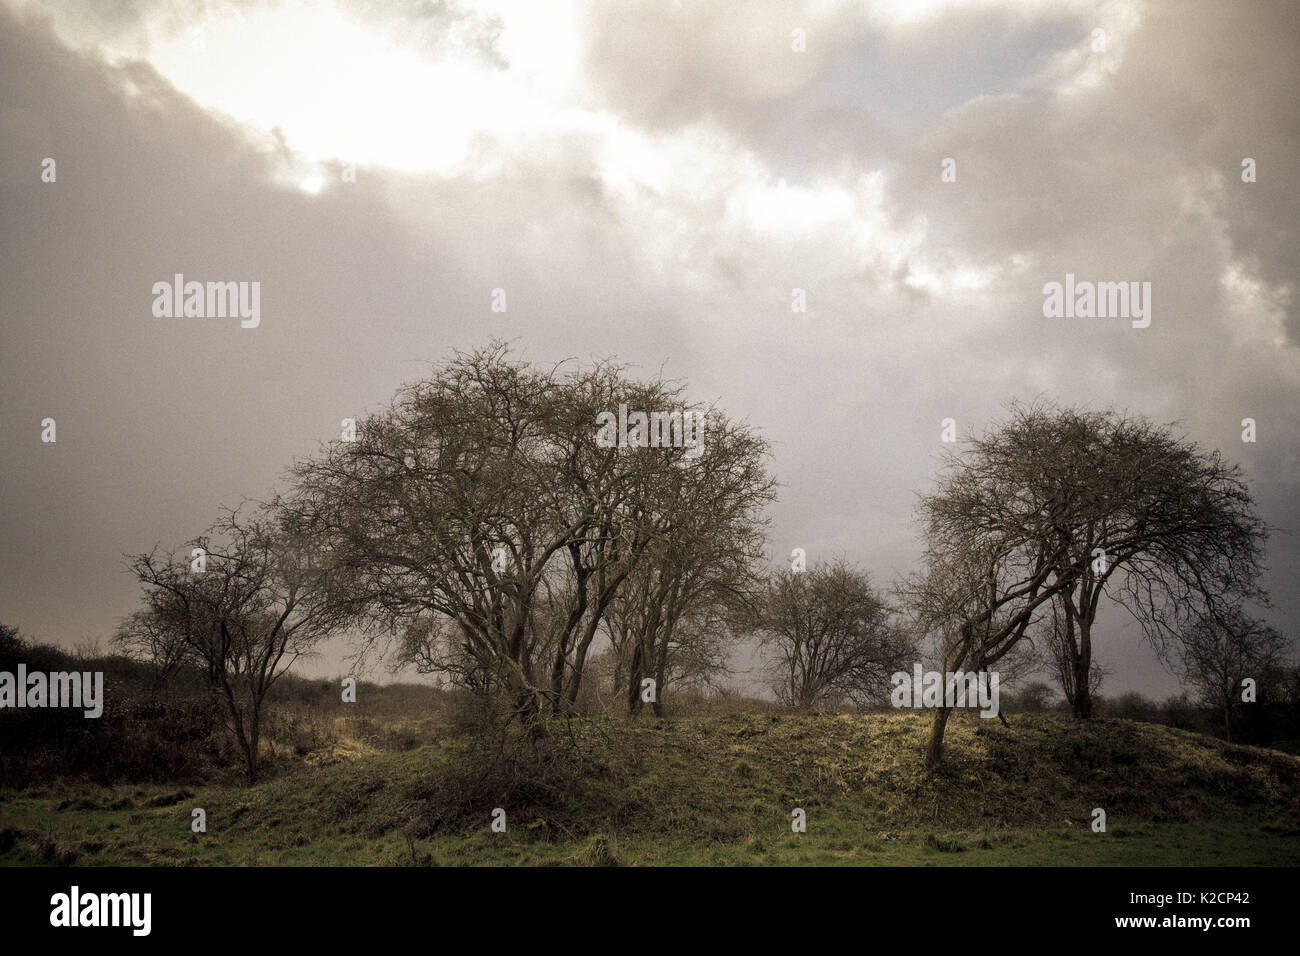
[831,637]
[1217,653]
[12,643]
[483,495]
[1063,505]
[672,618]
[679,639]
[1165,529]
[151,637]
[1062,653]
[977,593]
[436,646]
[245,600]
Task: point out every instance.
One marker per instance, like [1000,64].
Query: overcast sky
[646,180]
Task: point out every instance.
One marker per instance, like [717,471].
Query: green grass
[716,791]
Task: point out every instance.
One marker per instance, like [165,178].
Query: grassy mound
[712,790]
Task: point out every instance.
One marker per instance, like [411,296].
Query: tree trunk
[658,704]
[934,750]
[634,671]
[618,676]
[523,694]
[246,734]
[1082,673]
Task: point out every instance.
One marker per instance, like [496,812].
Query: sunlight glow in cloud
[341,89]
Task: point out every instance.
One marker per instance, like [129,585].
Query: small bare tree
[977,595]
[831,637]
[1218,653]
[244,601]
[151,637]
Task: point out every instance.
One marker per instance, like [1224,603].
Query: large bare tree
[1066,505]
[484,496]
[1164,528]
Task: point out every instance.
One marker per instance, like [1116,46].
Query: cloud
[653,185]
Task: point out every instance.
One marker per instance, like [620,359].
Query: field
[703,790]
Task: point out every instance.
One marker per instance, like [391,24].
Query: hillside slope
[715,790]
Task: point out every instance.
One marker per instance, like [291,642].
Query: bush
[1131,705]
[543,782]
[143,735]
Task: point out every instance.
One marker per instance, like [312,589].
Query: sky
[646,180]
